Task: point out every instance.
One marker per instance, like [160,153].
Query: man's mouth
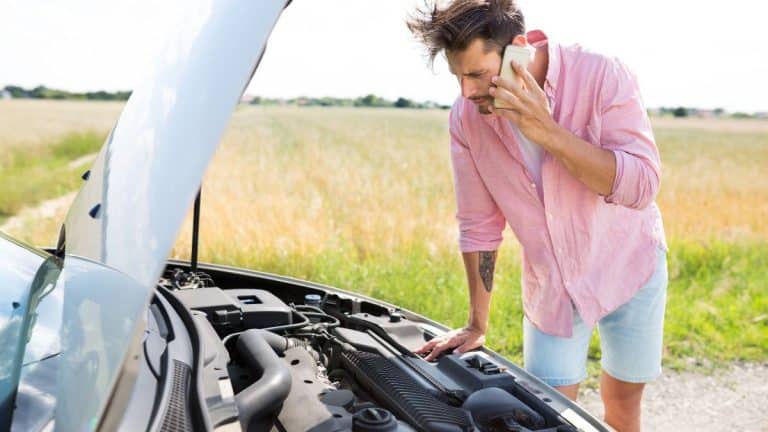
[480,100]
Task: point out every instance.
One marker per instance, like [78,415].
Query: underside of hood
[135,197]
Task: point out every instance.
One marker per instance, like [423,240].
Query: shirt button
[533,185]
[549,216]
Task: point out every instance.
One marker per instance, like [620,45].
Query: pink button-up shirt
[578,246]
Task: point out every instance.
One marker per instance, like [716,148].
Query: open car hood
[135,196]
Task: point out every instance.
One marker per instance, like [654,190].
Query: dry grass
[291,181]
[714,183]
[301,181]
[32,123]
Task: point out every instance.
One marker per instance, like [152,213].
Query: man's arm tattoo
[487,263]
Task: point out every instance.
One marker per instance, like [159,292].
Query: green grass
[717,307]
[28,177]
[718,302]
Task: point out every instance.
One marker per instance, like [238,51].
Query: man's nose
[468,88]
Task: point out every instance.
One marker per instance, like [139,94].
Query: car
[104,332]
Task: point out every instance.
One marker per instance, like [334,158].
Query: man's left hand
[529,106]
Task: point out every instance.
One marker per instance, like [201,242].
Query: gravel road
[732,399]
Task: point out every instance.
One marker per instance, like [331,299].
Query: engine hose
[257,402]
[295,326]
[280,343]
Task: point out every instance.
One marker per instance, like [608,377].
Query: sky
[706,54]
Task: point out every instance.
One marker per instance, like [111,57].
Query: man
[572,167]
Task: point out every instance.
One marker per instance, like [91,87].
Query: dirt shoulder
[735,398]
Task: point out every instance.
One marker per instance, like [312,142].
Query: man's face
[474,67]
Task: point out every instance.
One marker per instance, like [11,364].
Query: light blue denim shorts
[630,339]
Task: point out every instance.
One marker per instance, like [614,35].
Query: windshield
[18,269]
[63,329]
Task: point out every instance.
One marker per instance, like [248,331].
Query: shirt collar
[537,39]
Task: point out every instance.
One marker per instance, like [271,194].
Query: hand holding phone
[519,54]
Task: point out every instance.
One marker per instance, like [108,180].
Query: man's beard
[484,108]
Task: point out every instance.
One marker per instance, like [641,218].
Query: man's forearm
[480,268]
[592,165]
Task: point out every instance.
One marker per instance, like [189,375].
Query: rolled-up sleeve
[480,221]
[626,131]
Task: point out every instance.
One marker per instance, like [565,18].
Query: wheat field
[363,199]
[381,179]
[32,124]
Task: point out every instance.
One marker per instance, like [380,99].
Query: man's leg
[631,345]
[622,402]
[571,391]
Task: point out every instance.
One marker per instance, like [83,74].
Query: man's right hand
[463,340]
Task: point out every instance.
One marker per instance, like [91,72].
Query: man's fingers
[439,348]
[528,79]
[433,355]
[507,97]
[427,346]
[466,346]
[511,114]
[508,85]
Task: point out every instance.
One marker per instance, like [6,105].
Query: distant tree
[402,102]
[371,100]
[98,95]
[367,100]
[680,112]
[719,112]
[38,92]
[16,92]
[665,111]
[741,115]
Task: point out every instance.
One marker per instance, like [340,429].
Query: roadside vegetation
[362,199]
[44,147]
[29,177]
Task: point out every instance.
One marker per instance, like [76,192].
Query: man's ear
[520,40]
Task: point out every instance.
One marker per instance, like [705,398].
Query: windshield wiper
[41,359]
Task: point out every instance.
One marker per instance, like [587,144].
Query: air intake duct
[397,391]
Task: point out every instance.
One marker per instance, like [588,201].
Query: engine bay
[293,357]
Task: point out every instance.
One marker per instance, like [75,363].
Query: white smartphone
[521,55]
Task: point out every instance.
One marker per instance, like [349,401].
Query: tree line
[42,92]
[369,100]
[681,111]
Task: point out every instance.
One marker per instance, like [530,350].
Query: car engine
[308,360]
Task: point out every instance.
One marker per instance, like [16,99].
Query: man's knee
[621,394]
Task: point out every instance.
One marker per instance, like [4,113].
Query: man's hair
[453,26]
